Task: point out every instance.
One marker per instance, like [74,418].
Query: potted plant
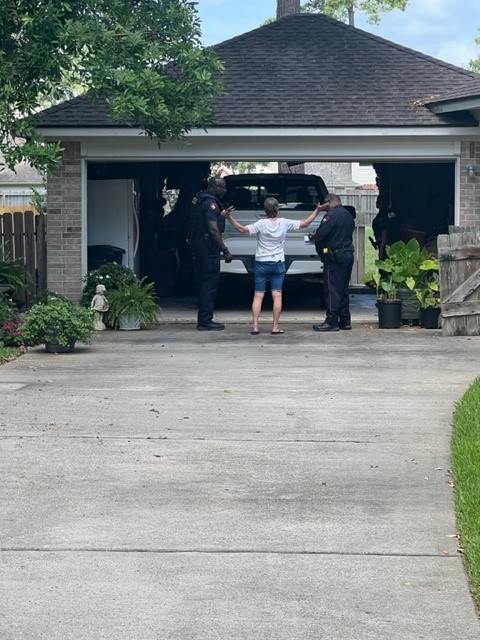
[407,267]
[132,305]
[388,305]
[112,275]
[58,323]
[429,299]
[403,262]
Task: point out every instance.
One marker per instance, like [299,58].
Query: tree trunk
[351,16]
[287,7]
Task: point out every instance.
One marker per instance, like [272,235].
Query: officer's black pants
[207,265]
[336,278]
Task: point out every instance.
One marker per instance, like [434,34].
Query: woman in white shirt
[270,256]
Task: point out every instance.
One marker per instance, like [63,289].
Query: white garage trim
[72,133]
[267,148]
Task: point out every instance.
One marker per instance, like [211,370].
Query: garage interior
[420,191]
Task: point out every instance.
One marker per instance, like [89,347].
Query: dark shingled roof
[308,70]
[469,89]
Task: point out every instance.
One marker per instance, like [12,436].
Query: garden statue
[100,306]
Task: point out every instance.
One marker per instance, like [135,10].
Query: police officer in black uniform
[386,225]
[334,243]
[206,228]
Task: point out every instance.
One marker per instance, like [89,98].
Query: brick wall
[469,187]
[64,225]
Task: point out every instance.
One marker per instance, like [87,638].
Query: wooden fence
[459,256]
[22,238]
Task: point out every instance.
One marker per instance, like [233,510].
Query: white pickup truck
[297,195]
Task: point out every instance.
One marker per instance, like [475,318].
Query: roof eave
[81,133]
[470,104]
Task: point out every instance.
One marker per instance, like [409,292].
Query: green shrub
[114,276]
[57,320]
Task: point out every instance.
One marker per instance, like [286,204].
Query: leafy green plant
[384,284]
[104,48]
[345,9]
[405,262]
[407,265]
[57,320]
[429,294]
[11,274]
[135,299]
[114,276]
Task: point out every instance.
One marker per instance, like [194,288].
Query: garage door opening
[149,220]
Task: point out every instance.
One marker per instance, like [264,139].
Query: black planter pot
[429,318]
[389,314]
[410,306]
[55,347]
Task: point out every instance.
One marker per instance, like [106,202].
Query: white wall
[363,174]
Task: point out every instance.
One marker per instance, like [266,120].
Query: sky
[444,29]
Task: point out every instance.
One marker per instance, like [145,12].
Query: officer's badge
[325,219]
[213,206]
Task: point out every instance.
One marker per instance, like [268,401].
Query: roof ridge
[413,52]
[244,36]
[64,105]
[361,32]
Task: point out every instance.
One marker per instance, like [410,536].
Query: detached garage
[364,99]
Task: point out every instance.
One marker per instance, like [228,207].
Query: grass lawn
[466,474]
[8,353]
[370,254]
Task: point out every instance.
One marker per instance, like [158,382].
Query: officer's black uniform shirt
[335,230]
[206,207]
[387,220]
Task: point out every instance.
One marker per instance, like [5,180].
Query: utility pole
[287,7]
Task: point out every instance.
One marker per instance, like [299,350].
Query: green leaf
[148,62]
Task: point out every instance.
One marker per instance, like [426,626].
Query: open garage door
[423,192]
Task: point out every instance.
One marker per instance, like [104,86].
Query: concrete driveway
[171,484]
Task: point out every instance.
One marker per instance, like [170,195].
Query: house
[16,187]
[294,91]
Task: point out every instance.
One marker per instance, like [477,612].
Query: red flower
[13,329]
